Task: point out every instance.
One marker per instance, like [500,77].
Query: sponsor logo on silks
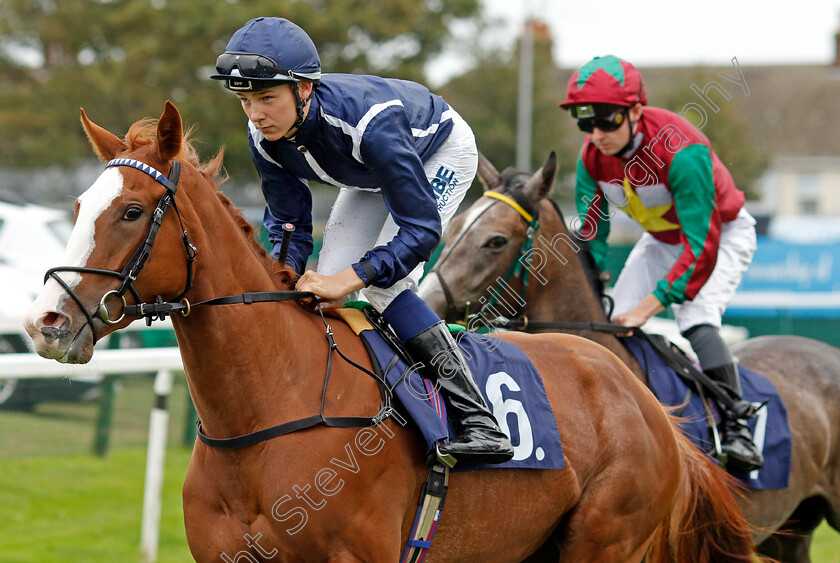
[443,185]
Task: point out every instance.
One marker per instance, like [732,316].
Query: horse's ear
[487,173]
[170,133]
[105,144]
[539,185]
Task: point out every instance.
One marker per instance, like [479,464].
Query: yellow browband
[509,201]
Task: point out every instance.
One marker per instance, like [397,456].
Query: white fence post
[158,428]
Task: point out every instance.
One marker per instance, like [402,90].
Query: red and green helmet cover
[605,80]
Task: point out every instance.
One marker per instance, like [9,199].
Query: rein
[386,409]
[681,365]
[522,323]
[676,360]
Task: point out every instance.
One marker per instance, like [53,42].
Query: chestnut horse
[632,486]
[483,244]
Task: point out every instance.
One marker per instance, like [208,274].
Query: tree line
[121,60]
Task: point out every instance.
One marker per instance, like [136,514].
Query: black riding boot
[478,437]
[736,441]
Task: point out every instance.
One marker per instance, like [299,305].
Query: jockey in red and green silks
[699,240]
[674,185]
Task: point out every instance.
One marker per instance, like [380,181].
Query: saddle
[676,359]
[698,401]
[535,434]
[504,375]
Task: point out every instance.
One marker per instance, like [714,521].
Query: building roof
[791,110]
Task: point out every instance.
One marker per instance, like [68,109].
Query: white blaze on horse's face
[92,204]
[430,290]
[472,216]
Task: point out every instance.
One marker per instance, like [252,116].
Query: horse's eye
[496,242]
[133,213]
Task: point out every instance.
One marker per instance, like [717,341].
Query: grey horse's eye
[496,242]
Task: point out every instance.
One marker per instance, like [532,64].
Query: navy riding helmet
[266,52]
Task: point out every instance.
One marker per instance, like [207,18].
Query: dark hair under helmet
[265,52]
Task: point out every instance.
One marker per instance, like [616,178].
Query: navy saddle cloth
[510,384]
[769,428]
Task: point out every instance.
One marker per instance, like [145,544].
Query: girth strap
[288,428]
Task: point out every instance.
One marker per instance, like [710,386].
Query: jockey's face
[274,110]
[610,142]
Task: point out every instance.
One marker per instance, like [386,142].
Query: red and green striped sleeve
[592,207]
[692,187]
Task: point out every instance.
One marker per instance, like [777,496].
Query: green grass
[80,508]
[826,545]
[67,428]
[60,504]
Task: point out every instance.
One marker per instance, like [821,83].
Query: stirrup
[751,409]
[438,456]
[742,466]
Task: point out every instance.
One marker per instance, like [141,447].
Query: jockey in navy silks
[403,160]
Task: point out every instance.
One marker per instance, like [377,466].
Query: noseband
[132,269]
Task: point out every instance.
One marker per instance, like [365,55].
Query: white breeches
[650,260]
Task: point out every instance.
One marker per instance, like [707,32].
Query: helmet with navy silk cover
[605,80]
[265,52]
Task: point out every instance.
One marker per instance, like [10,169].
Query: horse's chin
[71,349]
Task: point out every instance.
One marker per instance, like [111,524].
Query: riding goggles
[605,123]
[251,65]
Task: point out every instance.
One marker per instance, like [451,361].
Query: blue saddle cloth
[769,428]
[511,386]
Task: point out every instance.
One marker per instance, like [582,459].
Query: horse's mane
[587,261]
[283,275]
[143,132]
[590,267]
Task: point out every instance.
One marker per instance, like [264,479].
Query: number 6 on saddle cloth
[507,379]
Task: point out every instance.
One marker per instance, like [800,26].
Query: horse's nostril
[52,320]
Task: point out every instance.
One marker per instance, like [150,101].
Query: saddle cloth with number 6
[507,379]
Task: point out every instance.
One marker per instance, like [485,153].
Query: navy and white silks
[403,160]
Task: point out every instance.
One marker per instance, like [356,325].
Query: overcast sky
[670,32]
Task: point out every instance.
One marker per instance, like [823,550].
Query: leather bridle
[160,308]
[516,267]
[135,264]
